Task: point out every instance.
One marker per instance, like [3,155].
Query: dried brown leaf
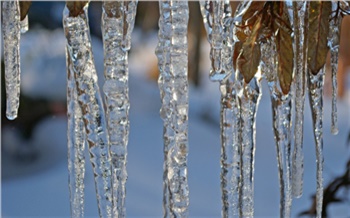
[76,7]
[249,58]
[284,45]
[249,19]
[319,13]
[24,8]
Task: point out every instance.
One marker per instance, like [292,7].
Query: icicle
[11,36]
[90,102]
[172,61]
[117,24]
[76,146]
[315,85]
[333,42]
[24,25]
[281,111]
[230,141]
[299,10]
[217,21]
[249,96]
[230,148]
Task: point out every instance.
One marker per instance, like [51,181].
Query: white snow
[45,193]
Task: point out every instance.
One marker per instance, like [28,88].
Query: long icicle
[172,61]
[315,85]
[76,146]
[230,149]
[333,43]
[118,20]
[221,69]
[90,101]
[299,10]
[11,35]
[249,96]
[281,116]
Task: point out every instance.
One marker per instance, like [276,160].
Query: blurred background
[34,172]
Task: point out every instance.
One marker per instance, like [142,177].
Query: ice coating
[299,12]
[76,146]
[281,116]
[230,125]
[172,62]
[217,21]
[116,43]
[90,101]
[11,29]
[315,85]
[333,43]
[249,96]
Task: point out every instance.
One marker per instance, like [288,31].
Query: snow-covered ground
[45,192]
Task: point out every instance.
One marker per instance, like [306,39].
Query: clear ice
[217,18]
[219,26]
[249,96]
[11,30]
[91,104]
[76,146]
[315,85]
[333,42]
[107,134]
[281,116]
[173,62]
[230,148]
[299,12]
[118,20]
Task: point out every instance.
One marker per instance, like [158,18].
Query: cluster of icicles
[106,131]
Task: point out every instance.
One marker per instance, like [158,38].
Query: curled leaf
[249,58]
[24,8]
[284,45]
[319,13]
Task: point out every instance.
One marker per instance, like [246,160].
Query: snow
[45,192]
